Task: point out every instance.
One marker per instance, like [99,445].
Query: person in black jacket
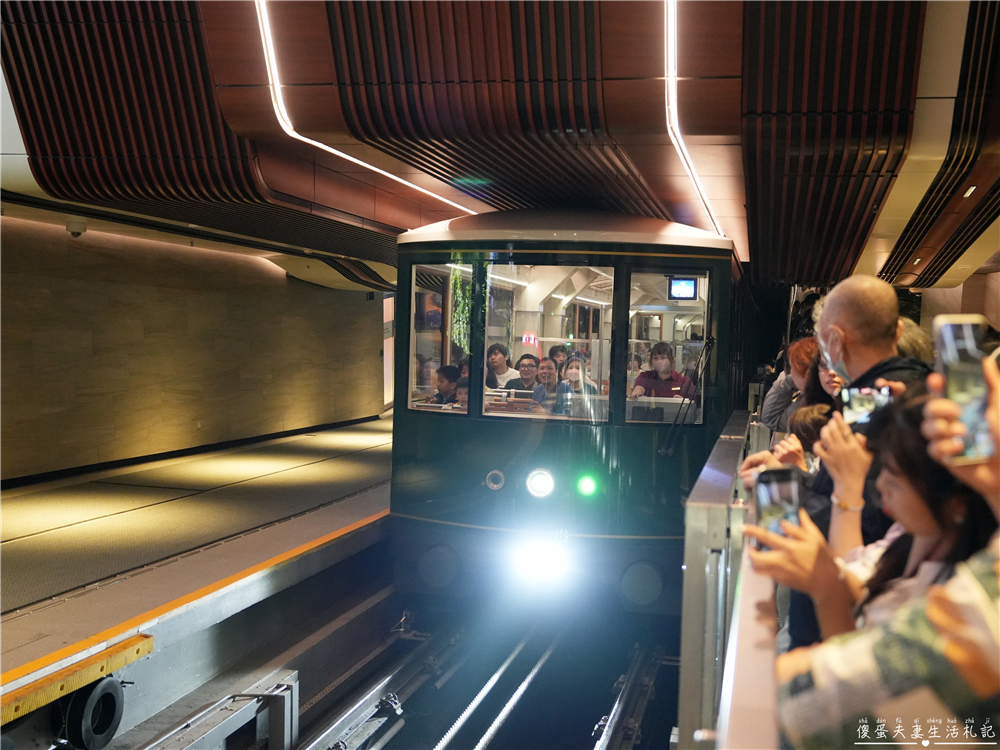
[857,332]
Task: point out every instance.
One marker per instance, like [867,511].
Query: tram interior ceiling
[227,222]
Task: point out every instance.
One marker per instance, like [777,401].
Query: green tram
[587,490]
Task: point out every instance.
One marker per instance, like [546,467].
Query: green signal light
[586,486]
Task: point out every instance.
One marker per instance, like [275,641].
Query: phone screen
[777,498]
[961,362]
[859,403]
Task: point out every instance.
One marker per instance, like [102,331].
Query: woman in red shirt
[662,381]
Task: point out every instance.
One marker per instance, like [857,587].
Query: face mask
[572,375]
[837,366]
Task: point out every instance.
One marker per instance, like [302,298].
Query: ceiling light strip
[673,121]
[274,83]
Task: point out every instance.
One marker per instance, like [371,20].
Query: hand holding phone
[777,498]
[958,340]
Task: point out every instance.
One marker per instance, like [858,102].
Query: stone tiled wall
[114,347]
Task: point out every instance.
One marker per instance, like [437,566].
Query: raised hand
[790,451]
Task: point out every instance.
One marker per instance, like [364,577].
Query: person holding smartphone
[939,655]
[857,332]
[939,522]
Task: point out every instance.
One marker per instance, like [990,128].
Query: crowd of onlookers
[888,598]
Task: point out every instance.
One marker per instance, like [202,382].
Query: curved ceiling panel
[828,99]
[117,109]
[947,220]
[514,119]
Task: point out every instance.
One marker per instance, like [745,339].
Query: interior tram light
[540,483]
[586,486]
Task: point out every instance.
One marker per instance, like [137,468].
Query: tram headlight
[541,560]
[540,483]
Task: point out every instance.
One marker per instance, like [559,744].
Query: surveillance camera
[75,227]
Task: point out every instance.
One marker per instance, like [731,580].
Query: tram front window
[548,342]
[442,305]
[667,321]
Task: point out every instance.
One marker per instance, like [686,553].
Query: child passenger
[462,393]
[447,379]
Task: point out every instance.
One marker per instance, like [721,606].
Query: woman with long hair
[573,374]
[939,523]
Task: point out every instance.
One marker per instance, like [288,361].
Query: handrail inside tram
[724,646]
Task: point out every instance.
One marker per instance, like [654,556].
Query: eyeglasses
[527,366]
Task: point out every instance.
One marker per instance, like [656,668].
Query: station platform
[102,570]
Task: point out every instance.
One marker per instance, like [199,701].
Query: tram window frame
[689,409]
[420,343]
[582,406]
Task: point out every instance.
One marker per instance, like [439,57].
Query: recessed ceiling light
[915,262]
[969,192]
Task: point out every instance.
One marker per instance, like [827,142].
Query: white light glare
[540,483]
[541,560]
[673,120]
[274,83]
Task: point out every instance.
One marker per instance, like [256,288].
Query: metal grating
[828,99]
[502,100]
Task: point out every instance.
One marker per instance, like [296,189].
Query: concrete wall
[115,347]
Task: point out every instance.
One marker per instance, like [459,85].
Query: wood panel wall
[115,347]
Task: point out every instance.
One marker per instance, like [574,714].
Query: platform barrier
[726,661]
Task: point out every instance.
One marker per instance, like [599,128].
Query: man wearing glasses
[527,366]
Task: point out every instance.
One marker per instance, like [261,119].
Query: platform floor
[82,558]
[57,539]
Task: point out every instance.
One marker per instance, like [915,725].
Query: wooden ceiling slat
[118,109]
[826,148]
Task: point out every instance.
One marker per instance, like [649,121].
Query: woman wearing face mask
[573,373]
[939,522]
[551,395]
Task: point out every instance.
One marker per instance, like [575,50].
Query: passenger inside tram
[552,394]
[527,366]
[447,380]
[574,374]
[662,381]
[500,371]
[559,354]
[462,393]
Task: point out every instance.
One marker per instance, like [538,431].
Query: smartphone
[777,497]
[958,340]
[859,403]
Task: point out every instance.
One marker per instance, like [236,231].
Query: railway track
[525,683]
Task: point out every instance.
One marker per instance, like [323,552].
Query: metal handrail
[709,585]
[748,709]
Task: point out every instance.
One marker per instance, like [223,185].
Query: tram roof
[531,225]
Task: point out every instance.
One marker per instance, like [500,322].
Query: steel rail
[490,684]
[487,738]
